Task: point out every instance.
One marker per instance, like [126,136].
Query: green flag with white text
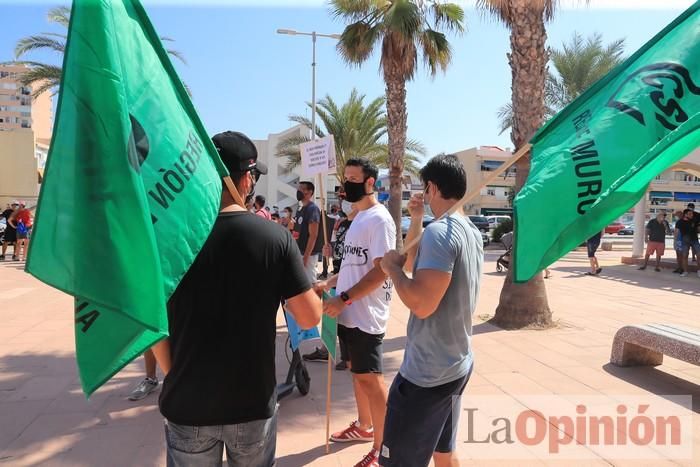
[131,189]
[596,158]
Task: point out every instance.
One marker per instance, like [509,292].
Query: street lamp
[314,35]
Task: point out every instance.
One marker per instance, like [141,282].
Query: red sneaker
[353,433]
[370,460]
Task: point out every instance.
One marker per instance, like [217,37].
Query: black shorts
[592,248]
[364,350]
[420,421]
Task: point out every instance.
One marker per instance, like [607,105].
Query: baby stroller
[503,261]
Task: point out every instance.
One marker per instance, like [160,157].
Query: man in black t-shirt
[10,237]
[306,228]
[220,390]
[656,241]
[687,234]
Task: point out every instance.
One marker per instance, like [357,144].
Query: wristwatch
[345,298]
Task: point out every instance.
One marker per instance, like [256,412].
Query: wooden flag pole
[328,383]
[470,195]
[234,191]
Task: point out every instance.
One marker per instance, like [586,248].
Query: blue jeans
[247,444]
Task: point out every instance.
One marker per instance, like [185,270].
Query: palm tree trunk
[396,130]
[526,304]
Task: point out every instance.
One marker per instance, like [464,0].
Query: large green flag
[595,159]
[131,190]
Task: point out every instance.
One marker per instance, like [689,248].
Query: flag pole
[234,191]
[470,195]
[328,382]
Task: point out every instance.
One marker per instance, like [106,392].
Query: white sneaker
[684,274]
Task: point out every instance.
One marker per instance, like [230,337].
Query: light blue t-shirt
[438,348]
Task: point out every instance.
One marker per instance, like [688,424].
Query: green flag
[132,186]
[595,159]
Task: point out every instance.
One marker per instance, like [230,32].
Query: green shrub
[502,228]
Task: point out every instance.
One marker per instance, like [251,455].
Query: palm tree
[579,64]
[46,76]
[406,29]
[526,304]
[358,131]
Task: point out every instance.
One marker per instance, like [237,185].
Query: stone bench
[646,345]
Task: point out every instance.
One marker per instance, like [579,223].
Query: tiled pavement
[45,419]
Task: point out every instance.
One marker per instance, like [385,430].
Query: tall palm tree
[526,304]
[43,77]
[357,130]
[406,29]
[578,65]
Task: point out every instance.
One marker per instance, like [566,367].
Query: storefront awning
[661,194]
[688,197]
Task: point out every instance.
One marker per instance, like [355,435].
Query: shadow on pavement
[649,279]
[657,382]
[46,419]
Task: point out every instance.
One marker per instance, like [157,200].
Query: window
[25,124]
[490,192]
[25,91]
[405,195]
[2,120]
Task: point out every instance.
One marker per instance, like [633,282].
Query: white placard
[318,157]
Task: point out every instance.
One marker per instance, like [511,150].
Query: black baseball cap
[238,152]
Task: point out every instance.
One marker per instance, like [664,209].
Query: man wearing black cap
[220,390]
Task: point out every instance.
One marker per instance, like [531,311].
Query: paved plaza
[45,419]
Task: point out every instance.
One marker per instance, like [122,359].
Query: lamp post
[314,35]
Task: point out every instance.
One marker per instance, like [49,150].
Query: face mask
[251,195]
[283,215]
[354,191]
[300,195]
[346,206]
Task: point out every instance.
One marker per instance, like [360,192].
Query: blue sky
[246,77]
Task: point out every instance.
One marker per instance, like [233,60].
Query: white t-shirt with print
[371,234]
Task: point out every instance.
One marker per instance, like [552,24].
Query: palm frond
[437,52]
[357,42]
[59,15]
[449,15]
[505,118]
[30,43]
[177,54]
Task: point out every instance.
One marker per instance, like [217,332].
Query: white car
[494,221]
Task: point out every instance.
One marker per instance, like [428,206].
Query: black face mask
[250,196]
[354,191]
[300,195]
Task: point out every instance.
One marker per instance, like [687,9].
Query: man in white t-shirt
[362,304]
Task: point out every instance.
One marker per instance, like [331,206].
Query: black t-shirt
[687,229]
[7,213]
[657,231]
[306,215]
[222,321]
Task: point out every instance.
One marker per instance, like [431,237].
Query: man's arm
[417,209]
[162,353]
[313,235]
[371,281]
[305,308]
[424,292]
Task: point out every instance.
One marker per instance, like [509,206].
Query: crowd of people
[223,324]
[17,221]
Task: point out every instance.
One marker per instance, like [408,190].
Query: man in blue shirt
[423,406]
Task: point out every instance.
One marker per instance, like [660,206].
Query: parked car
[480,222]
[494,221]
[614,227]
[406,223]
[485,238]
[629,230]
